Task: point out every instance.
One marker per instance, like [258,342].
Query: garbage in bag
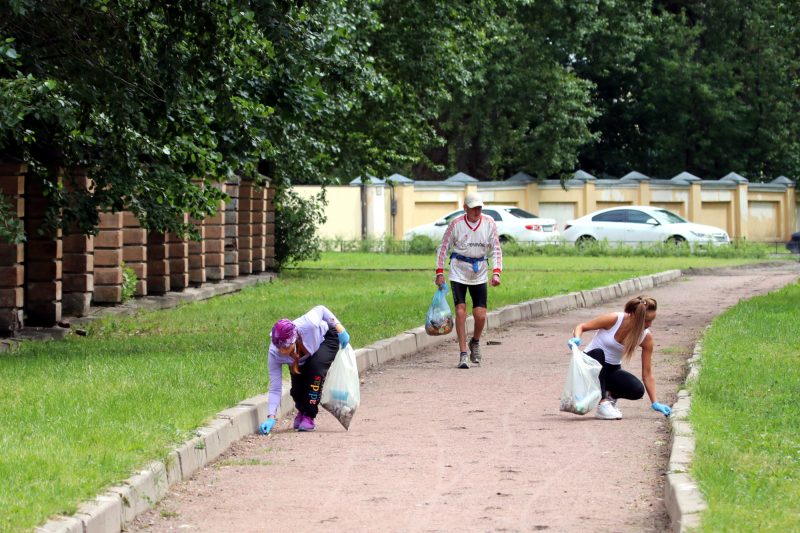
[582,388]
[439,320]
[341,394]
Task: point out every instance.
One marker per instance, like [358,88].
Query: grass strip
[744,415]
[81,414]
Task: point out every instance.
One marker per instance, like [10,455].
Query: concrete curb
[685,503]
[114,509]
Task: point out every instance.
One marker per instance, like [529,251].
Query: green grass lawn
[81,414]
[744,414]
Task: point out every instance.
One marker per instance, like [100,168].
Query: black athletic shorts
[478,294]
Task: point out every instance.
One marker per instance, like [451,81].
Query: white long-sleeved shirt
[312,328]
[470,240]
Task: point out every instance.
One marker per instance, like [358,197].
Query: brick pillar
[245,228]
[232,231]
[134,250]
[178,260]
[12,256]
[78,260]
[259,220]
[108,260]
[197,255]
[157,263]
[269,241]
[214,242]
[43,253]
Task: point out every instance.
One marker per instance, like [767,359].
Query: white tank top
[604,339]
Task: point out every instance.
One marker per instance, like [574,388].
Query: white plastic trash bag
[582,389]
[341,393]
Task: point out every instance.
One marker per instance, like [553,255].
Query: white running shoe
[462,360]
[607,411]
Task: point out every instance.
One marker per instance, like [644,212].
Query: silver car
[633,224]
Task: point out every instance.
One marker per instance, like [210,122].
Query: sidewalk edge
[682,497]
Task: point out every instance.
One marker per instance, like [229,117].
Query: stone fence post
[108,249]
[259,225]
[78,257]
[12,256]
[232,230]
[43,256]
[134,251]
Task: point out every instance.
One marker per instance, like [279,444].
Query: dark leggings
[307,385]
[619,383]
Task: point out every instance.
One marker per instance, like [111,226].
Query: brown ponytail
[638,308]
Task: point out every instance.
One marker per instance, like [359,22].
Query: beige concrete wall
[343,211]
[755,212]
[763,215]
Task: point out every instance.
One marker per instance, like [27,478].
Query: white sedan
[513,224]
[635,224]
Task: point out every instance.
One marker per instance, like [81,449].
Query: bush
[296,222]
[421,244]
[129,281]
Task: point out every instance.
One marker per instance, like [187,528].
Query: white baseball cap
[473,199]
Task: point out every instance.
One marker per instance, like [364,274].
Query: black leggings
[307,385]
[619,383]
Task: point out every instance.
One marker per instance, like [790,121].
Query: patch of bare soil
[436,448]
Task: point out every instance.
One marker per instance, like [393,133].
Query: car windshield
[451,216]
[669,217]
[520,213]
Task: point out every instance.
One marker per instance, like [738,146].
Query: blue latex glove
[266,426]
[344,338]
[574,340]
[661,408]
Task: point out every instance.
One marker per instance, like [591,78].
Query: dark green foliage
[152,98]
[708,87]
[157,101]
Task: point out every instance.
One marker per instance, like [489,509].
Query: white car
[633,224]
[513,224]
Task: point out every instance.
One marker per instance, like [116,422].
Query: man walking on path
[471,237]
[481,451]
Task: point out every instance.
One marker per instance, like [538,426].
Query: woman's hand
[574,340]
[661,408]
[495,279]
[266,426]
[344,338]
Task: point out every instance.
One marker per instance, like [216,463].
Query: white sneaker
[614,403]
[607,411]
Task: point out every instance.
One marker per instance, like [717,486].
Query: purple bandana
[284,333]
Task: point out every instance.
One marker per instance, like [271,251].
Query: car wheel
[585,240]
[676,240]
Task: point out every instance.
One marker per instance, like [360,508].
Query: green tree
[712,89]
[524,107]
[154,99]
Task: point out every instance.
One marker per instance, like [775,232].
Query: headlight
[700,234]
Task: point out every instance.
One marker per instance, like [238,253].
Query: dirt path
[435,448]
